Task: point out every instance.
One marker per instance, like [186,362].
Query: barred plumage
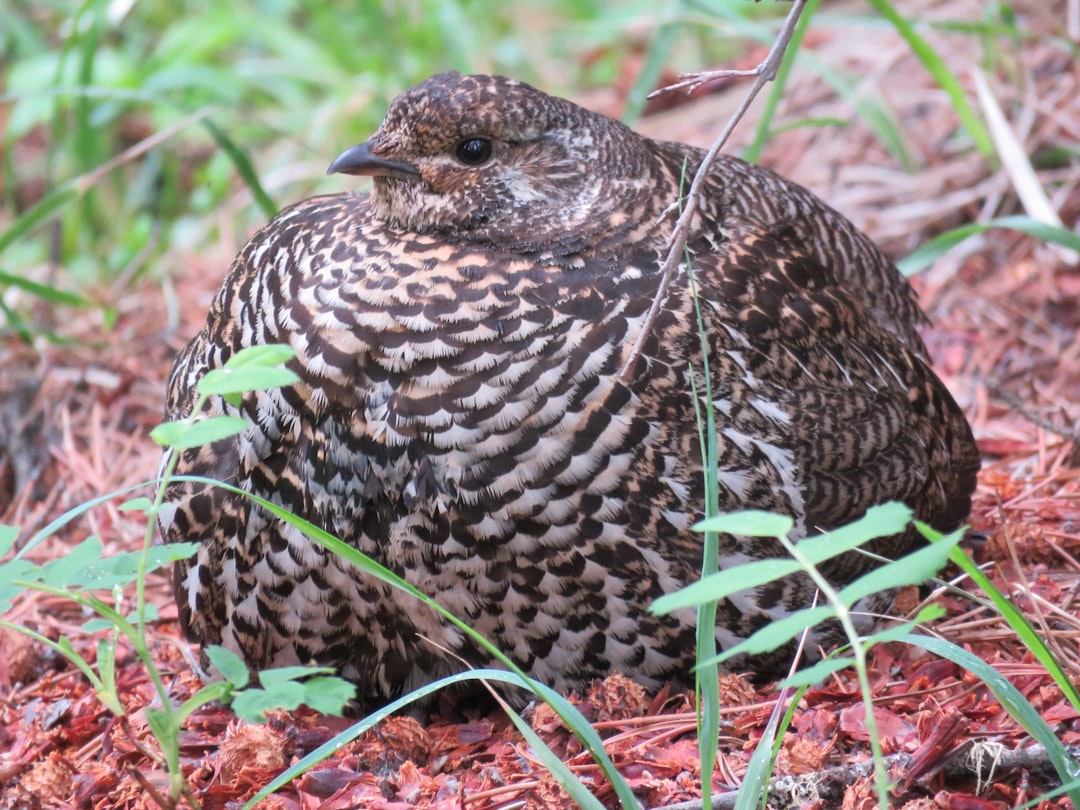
[460,416]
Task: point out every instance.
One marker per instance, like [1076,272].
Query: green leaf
[12,574]
[171,552]
[7,537]
[748,523]
[137,505]
[722,584]
[272,677]
[65,648]
[879,521]
[264,356]
[230,665]
[911,569]
[167,434]
[219,690]
[252,704]
[328,695]
[244,378]
[70,570]
[150,614]
[817,673]
[106,664]
[196,434]
[121,569]
[160,722]
[779,632]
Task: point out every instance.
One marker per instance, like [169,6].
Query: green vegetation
[137,134]
[84,572]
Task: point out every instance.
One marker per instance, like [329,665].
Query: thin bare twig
[692,81]
[764,73]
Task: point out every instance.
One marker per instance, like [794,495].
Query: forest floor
[1005,338]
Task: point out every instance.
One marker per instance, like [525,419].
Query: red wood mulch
[1006,339]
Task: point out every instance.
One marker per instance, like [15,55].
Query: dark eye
[473,151]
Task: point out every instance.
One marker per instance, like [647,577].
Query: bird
[462,415]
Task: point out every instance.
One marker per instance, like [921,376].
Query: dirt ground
[1005,338]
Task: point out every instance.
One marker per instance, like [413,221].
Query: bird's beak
[359,160]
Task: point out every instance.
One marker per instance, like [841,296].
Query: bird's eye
[474,151]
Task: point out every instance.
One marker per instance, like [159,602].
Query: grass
[289,82]
[130,132]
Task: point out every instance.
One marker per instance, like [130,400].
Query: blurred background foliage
[136,133]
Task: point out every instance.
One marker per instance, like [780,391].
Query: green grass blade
[244,168]
[870,108]
[37,213]
[16,323]
[939,71]
[764,130]
[758,769]
[573,786]
[1028,634]
[68,516]
[333,745]
[657,55]
[925,255]
[42,291]
[87,136]
[1011,700]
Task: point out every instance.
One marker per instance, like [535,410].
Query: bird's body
[461,417]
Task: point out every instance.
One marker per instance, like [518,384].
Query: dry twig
[764,73]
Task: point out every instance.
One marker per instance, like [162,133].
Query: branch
[763,73]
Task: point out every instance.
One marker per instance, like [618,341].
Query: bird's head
[491,160]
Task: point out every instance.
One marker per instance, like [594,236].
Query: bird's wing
[858,417]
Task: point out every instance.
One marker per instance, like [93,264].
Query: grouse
[461,417]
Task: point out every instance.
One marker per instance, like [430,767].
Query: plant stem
[843,615]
